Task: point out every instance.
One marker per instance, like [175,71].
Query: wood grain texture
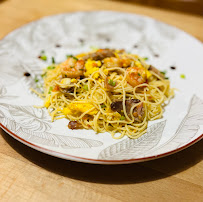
[28,175]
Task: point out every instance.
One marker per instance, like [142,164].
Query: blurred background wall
[189,6]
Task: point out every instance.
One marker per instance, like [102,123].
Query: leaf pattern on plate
[3,90]
[187,129]
[132,148]
[29,117]
[50,139]
[7,122]
[46,138]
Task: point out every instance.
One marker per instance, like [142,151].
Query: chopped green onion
[53,60]
[71,56]
[36,79]
[139,74]
[166,78]
[111,82]
[75,58]
[182,76]
[42,52]
[50,89]
[103,106]
[65,76]
[43,57]
[51,67]
[163,72]
[85,87]
[43,75]
[146,58]
[122,118]
[81,69]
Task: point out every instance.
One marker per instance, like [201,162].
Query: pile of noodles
[153,94]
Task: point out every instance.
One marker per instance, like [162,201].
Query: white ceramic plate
[73,33]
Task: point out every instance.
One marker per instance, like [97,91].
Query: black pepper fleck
[27,74]
[108,39]
[156,55]
[81,40]
[135,46]
[173,67]
[57,45]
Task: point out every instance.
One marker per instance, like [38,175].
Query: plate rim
[102,10]
[89,160]
[96,161]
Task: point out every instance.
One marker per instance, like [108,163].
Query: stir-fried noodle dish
[106,90]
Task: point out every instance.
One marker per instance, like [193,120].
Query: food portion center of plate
[105,90]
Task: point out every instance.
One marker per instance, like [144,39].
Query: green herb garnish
[43,75]
[71,56]
[111,82]
[42,52]
[53,60]
[85,87]
[139,74]
[43,57]
[103,106]
[75,58]
[50,89]
[122,118]
[146,58]
[182,76]
[163,72]
[81,69]
[51,67]
[36,79]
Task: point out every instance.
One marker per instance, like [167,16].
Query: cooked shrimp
[117,62]
[136,76]
[112,62]
[72,68]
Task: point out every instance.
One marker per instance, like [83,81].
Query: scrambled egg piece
[74,80]
[81,55]
[138,64]
[92,66]
[75,108]
[106,71]
[47,102]
[148,74]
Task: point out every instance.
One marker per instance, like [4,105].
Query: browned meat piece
[74,125]
[100,54]
[138,112]
[155,70]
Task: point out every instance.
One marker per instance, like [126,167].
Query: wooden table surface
[28,175]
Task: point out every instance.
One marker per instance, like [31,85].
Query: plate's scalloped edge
[95,161]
